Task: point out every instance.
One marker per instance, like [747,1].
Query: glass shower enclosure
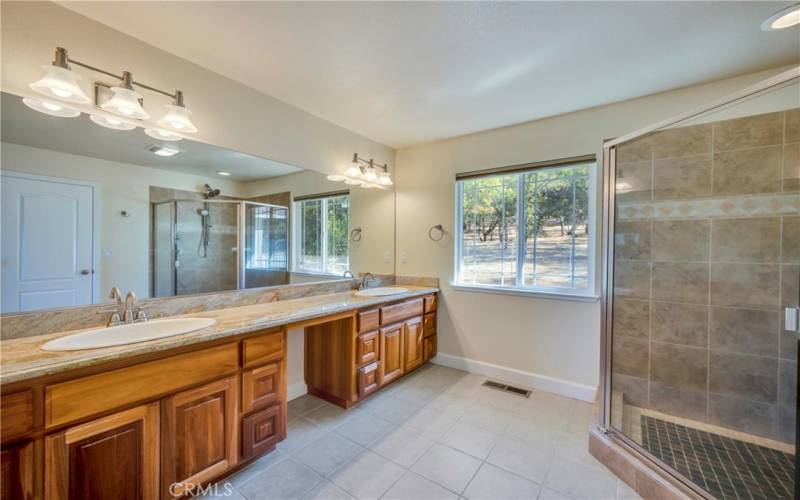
[702,284]
[214,245]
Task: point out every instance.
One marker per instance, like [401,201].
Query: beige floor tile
[521,459]
[494,483]
[447,467]
[532,432]
[303,404]
[414,486]
[402,447]
[328,453]
[255,468]
[299,433]
[330,416]
[581,481]
[490,417]
[470,439]
[549,494]
[364,428]
[368,476]
[577,451]
[286,479]
[433,424]
[390,408]
[326,490]
[625,492]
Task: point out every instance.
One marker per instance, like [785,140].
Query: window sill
[525,293]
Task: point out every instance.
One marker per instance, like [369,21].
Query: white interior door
[46,244]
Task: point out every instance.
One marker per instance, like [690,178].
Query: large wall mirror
[86,208]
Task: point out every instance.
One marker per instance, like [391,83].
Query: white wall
[539,339]
[227,114]
[370,209]
[122,187]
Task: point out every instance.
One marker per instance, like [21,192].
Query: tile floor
[435,434]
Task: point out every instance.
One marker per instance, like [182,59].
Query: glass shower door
[266,244]
[704,262]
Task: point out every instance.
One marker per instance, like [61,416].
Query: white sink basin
[381,291]
[128,334]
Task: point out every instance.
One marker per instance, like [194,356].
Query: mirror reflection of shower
[205,222]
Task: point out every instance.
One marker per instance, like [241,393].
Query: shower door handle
[792,319]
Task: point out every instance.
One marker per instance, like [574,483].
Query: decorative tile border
[708,208]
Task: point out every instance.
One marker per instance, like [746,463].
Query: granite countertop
[23,359]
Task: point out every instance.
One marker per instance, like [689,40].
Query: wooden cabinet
[261,387]
[413,354]
[403,310]
[391,347]
[368,380]
[18,414]
[18,472]
[114,457]
[429,348]
[368,320]
[367,348]
[262,431]
[199,436]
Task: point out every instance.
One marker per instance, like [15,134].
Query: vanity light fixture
[111,122]
[61,83]
[50,108]
[223,173]
[785,18]
[364,173]
[165,151]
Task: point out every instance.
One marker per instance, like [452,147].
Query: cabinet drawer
[429,347]
[368,320]
[262,431]
[264,348]
[86,396]
[429,324]
[17,410]
[367,380]
[367,348]
[398,312]
[431,301]
[261,387]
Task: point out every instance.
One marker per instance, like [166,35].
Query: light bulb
[111,122]
[177,119]
[50,108]
[335,178]
[162,135]
[370,174]
[61,83]
[125,102]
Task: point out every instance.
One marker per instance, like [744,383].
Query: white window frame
[589,293]
[296,230]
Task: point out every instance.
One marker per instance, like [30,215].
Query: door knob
[85,272]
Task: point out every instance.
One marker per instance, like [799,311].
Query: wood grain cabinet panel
[367,348]
[429,324]
[398,312]
[368,380]
[368,320]
[413,335]
[199,436]
[431,303]
[113,458]
[429,348]
[391,350]
[262,431]
[263,348]
[261,387]
[17,410]
[17,478]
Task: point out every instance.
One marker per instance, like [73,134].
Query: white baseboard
[519,377]
[296,390]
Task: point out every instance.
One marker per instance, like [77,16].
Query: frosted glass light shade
[352,182]
[384,179]
[125,102]
[112,123]
[335,178]
[61,83]
[353,171]
[162,135]
[370,174]
[177,119]
[783,19]
[50,108]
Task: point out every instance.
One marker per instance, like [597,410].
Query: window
[528,228]
[321,234]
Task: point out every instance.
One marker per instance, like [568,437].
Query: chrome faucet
[119,308]
[133,311]
[366,281]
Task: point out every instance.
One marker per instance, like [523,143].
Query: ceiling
[80,136]
[403,73]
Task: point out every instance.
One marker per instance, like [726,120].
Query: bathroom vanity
[155,419]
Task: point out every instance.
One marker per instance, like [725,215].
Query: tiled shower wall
[707,254]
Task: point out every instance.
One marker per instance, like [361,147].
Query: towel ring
[440,229]
[355,234]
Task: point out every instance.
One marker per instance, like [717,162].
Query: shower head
[211,193]
[202,211]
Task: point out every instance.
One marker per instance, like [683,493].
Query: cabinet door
[367,380]
[198,436]
[114,457]
[430,348]
[412,344]
[367,348]
[17,472]
[261,431]
[391,352]
[261,387]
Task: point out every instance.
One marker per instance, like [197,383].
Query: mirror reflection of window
[321,232]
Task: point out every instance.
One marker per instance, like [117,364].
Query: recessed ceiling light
[785,18]
[159,150]
[223,173]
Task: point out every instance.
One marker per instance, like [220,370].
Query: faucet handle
[141,315]
[115,294]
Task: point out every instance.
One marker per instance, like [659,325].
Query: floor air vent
[507,388]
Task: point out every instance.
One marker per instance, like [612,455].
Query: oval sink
[381,291]
[128,334]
